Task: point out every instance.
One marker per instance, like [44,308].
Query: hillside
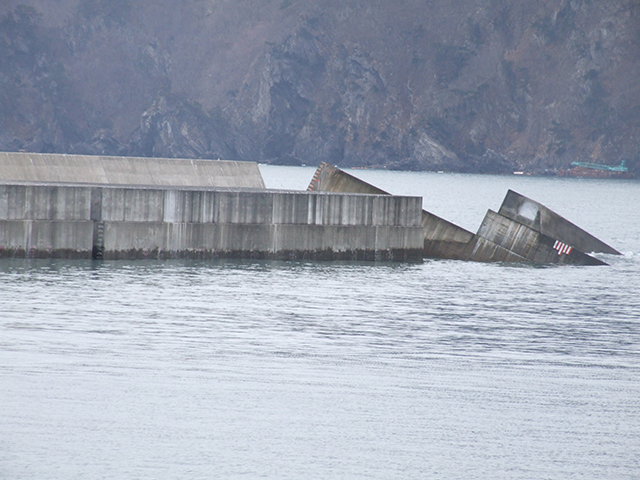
[470,85]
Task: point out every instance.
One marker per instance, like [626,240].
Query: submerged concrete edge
[522,231]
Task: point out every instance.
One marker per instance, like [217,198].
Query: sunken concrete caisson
[523,230]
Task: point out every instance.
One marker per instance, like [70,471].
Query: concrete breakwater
[75,206]
[523,230]
[117,208]
[96,221]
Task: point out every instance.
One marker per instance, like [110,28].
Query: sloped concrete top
[521,209]
[329,178]
[40,167]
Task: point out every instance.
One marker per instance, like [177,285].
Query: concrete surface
[58,168]
[519,242]
[110,222]
[522,231]
[541,219]
[442,239]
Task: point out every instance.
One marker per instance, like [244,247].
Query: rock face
[175,127]
[483,86]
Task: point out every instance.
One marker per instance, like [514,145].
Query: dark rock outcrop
[176,127]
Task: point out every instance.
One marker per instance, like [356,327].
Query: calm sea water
[290,370]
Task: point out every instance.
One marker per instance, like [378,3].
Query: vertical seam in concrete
[28,226]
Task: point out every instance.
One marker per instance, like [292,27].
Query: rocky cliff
[471,86]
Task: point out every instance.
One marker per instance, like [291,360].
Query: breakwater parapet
[93,169]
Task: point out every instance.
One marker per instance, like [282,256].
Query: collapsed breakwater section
[523,230]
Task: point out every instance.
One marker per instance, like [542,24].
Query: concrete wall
[56,168]
[442,239]
[538,217]
[523,230]
[501,239]
[45,220]
[328,178]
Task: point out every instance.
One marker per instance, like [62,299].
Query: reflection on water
[226,369]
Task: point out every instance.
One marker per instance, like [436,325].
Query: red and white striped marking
[562,248]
